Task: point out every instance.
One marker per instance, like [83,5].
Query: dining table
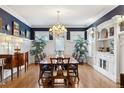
[47,61]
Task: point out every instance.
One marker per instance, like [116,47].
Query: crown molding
[10,11]
[103,13]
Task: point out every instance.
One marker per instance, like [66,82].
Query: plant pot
[81,59]
[36,60]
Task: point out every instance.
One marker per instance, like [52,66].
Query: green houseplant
[38,47]
[81,48]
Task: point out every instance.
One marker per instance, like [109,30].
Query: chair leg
[78,77]
[40,78]
[39,81]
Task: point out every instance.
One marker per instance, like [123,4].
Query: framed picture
[1,24]
[15,29]
[111,31]
[104,33]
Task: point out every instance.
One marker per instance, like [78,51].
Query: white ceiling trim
[4,7]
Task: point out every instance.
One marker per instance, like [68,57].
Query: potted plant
[81,49]
[38,47]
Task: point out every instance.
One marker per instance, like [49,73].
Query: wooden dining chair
[60,73]
[72,70]
[45,75]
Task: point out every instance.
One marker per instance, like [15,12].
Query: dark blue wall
[51,38]
[8,19]
[119,10]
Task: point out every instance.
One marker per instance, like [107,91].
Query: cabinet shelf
[103,39]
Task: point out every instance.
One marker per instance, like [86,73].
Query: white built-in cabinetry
[104,48]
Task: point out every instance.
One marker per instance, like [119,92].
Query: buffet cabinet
[105,64]
[13,63]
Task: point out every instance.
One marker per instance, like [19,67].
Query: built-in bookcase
[105,47]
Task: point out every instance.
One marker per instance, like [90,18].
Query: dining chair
[45,75]
[59,74]
[72,70]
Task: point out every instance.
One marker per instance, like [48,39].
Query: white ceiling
[70,16]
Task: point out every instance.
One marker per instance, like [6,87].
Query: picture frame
[104,33]
[15,29]
[111,31]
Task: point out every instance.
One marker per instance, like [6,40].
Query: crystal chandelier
[57,29]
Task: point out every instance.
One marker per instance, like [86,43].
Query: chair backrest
[60,61]
[67,60]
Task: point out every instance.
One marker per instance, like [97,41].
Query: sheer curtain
[59,46]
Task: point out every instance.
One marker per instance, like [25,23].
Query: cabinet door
[104,64]
[111,68]
[100,63]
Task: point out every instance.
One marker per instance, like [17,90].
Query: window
[59,44]
[75,34]
[43,34]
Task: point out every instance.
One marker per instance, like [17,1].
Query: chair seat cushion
[46,68]
[73,67]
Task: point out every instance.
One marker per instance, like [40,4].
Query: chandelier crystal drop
[58,29]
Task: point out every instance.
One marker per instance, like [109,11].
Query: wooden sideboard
[15,61]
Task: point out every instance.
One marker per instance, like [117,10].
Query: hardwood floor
[89,78]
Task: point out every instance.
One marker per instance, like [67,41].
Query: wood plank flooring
[89,78]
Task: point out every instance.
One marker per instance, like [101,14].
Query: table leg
[11,74]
